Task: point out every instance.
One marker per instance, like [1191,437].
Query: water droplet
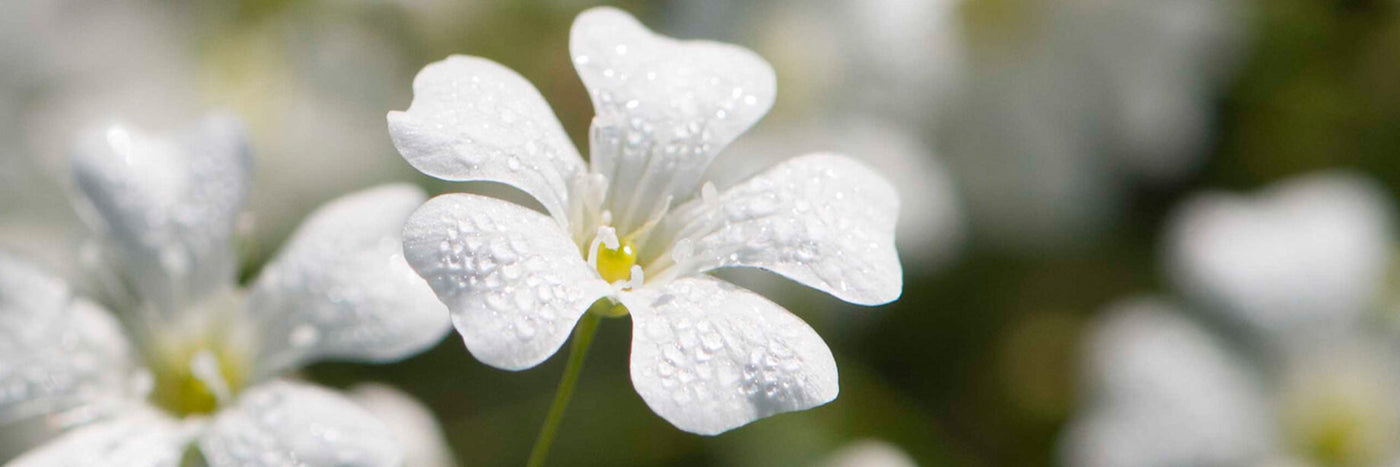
[304,336]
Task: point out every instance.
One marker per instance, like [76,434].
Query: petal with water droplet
[167,207]
[473,119]
[665,108]
[513,280]
[824,220]
[282,423]
[709,356]
[341,289]
[56,352]
[142,437]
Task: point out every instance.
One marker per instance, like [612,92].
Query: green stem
[583,337]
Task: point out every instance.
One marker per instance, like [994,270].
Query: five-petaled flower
[635,225]
[189,359]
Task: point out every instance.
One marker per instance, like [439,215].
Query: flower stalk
[578,350]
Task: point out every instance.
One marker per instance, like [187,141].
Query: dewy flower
[189,359]
[1298,271]
[637,226]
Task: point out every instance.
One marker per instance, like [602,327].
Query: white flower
[1309,381]
[637,225]
[1068,104]
[188,358]
[1304,258]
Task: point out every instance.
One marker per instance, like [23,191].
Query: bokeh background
[1040,147]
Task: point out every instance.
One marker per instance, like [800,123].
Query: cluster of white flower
[168,361]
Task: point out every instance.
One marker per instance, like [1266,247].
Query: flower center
[196,378]
[615,264]
[1342,422]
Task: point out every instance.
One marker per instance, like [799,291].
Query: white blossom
[637,225]
[187,358]
[1298,373]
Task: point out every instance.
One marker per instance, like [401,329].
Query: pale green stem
[583,337]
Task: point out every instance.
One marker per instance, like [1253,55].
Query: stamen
[205,368]
[637,277]
[708,194]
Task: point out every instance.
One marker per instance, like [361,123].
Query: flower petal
[823,220]
[141,438]
[56,352]
[168,207]
[412,424]
[932,227]
[1303,259]
[513,279]
[709,356]
[282,423]
[1163,391]
[473,119]
[341,288]
[664,107]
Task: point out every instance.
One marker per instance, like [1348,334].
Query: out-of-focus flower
[1068,102]
[869,453]
[1311,381]
[414,427]
[188,358]
[706,355]
[1305,258]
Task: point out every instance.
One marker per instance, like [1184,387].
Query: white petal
[513,279]
[168,206]
[709,356]
[281,423]
[412,424]
[664,107]
[341,288]
[56,352]
[1165,392]
[140,438]
[1304,258]
[932,225]
[473,119]
[823,220]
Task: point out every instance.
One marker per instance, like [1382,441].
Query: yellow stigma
[616,265]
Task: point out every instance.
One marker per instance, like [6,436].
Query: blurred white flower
[1298,270]
[188,357]
[1068,102]
[413,425]
[869,453]
[637,226]
[1305,258]
[1164,391]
